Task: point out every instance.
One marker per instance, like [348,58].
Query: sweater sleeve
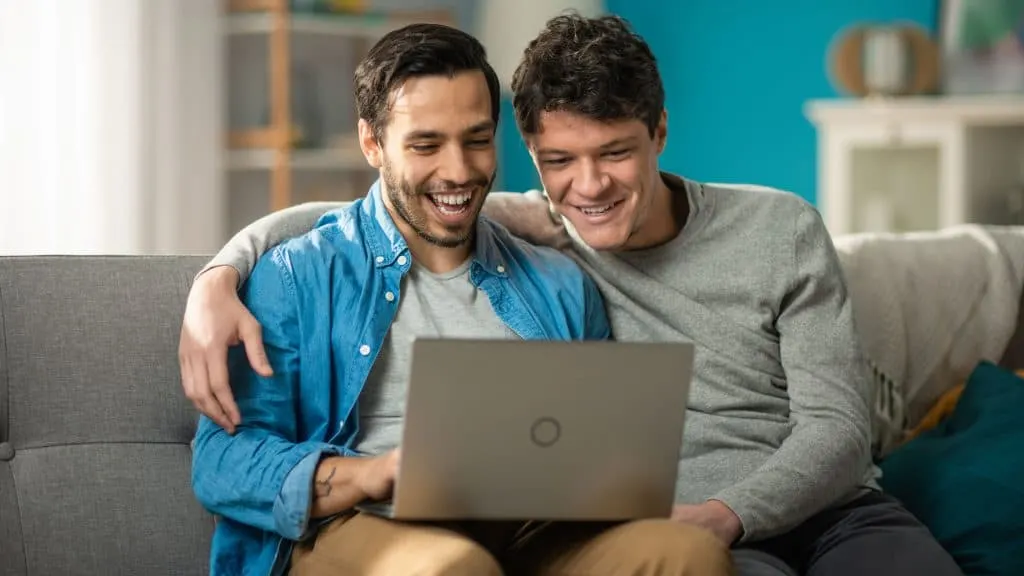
[256,239]
[529,216]
[526,215]
[827,455]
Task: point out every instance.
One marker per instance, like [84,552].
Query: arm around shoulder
[243,476]
[527,215]
[250,243]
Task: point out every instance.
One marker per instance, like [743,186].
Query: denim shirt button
[389,296]
[501,269]
[401,260]
[364,350]
[380,259]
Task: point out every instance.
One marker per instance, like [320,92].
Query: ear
[369,145]
[661,132]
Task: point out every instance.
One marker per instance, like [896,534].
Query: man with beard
[338,338]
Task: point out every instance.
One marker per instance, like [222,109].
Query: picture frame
[982,46]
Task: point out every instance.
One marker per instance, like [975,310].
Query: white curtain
[110,127]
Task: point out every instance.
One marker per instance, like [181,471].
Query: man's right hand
[216,319]
[342,482]
[377,477]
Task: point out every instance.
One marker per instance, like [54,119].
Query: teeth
[452,199]
[597,210]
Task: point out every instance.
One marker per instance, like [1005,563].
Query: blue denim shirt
[320,299]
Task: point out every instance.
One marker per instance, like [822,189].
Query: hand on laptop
[713,516]
[341,482]
[215,319]
[376,479]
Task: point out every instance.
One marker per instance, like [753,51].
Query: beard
[405,198]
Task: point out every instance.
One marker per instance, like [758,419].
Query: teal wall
[516,172]
[737,74]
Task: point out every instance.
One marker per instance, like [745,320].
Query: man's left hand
[713,516]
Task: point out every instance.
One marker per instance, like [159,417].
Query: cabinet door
[885,177]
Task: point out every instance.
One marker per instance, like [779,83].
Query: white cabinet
[918,163]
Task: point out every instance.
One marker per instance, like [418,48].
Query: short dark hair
[596,67]
[416,50]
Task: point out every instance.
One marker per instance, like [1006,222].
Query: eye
[617,154]
[423,148]
[555,162]
[480,142]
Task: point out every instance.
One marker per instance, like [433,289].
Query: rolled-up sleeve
[262,475]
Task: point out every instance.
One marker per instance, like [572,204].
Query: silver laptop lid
[542,429]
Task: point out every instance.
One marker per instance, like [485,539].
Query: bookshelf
[275,143]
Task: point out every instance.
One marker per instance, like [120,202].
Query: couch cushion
[963,478]
[96,479]
[1013,357]
[929,306]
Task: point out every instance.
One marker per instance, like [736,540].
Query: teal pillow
[965,478]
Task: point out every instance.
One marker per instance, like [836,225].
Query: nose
[591,181]
[455,165]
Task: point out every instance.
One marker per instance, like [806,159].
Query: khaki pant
[366,545]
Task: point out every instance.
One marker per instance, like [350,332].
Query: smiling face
[436,156]
[603,177]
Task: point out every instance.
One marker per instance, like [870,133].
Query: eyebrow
[628,140]
[485,126]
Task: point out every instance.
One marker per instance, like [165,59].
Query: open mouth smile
[599,210]
[452,207]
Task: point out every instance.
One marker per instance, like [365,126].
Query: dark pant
[873,535]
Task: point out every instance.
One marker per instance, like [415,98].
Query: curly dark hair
[416,50]
[596,67]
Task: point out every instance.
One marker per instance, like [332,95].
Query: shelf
[369,26]
[275,150]
[253,138]
[917,163]
[972,110]
[322,159]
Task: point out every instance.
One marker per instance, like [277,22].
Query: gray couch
[94,427]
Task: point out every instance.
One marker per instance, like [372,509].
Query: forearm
[336,485]
[241,476]
[828,453]
[819,464]
[251,242]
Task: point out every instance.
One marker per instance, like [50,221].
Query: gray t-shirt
[430,305]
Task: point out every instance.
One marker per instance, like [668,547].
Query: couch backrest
[94,427]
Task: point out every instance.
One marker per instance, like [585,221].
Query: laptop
[540,430]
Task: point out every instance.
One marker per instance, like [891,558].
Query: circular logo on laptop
[545,431]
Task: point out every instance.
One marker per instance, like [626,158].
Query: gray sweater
[778,423]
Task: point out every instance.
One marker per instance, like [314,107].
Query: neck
[665,218]
[435,258]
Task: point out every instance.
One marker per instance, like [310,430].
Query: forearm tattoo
[324,487]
